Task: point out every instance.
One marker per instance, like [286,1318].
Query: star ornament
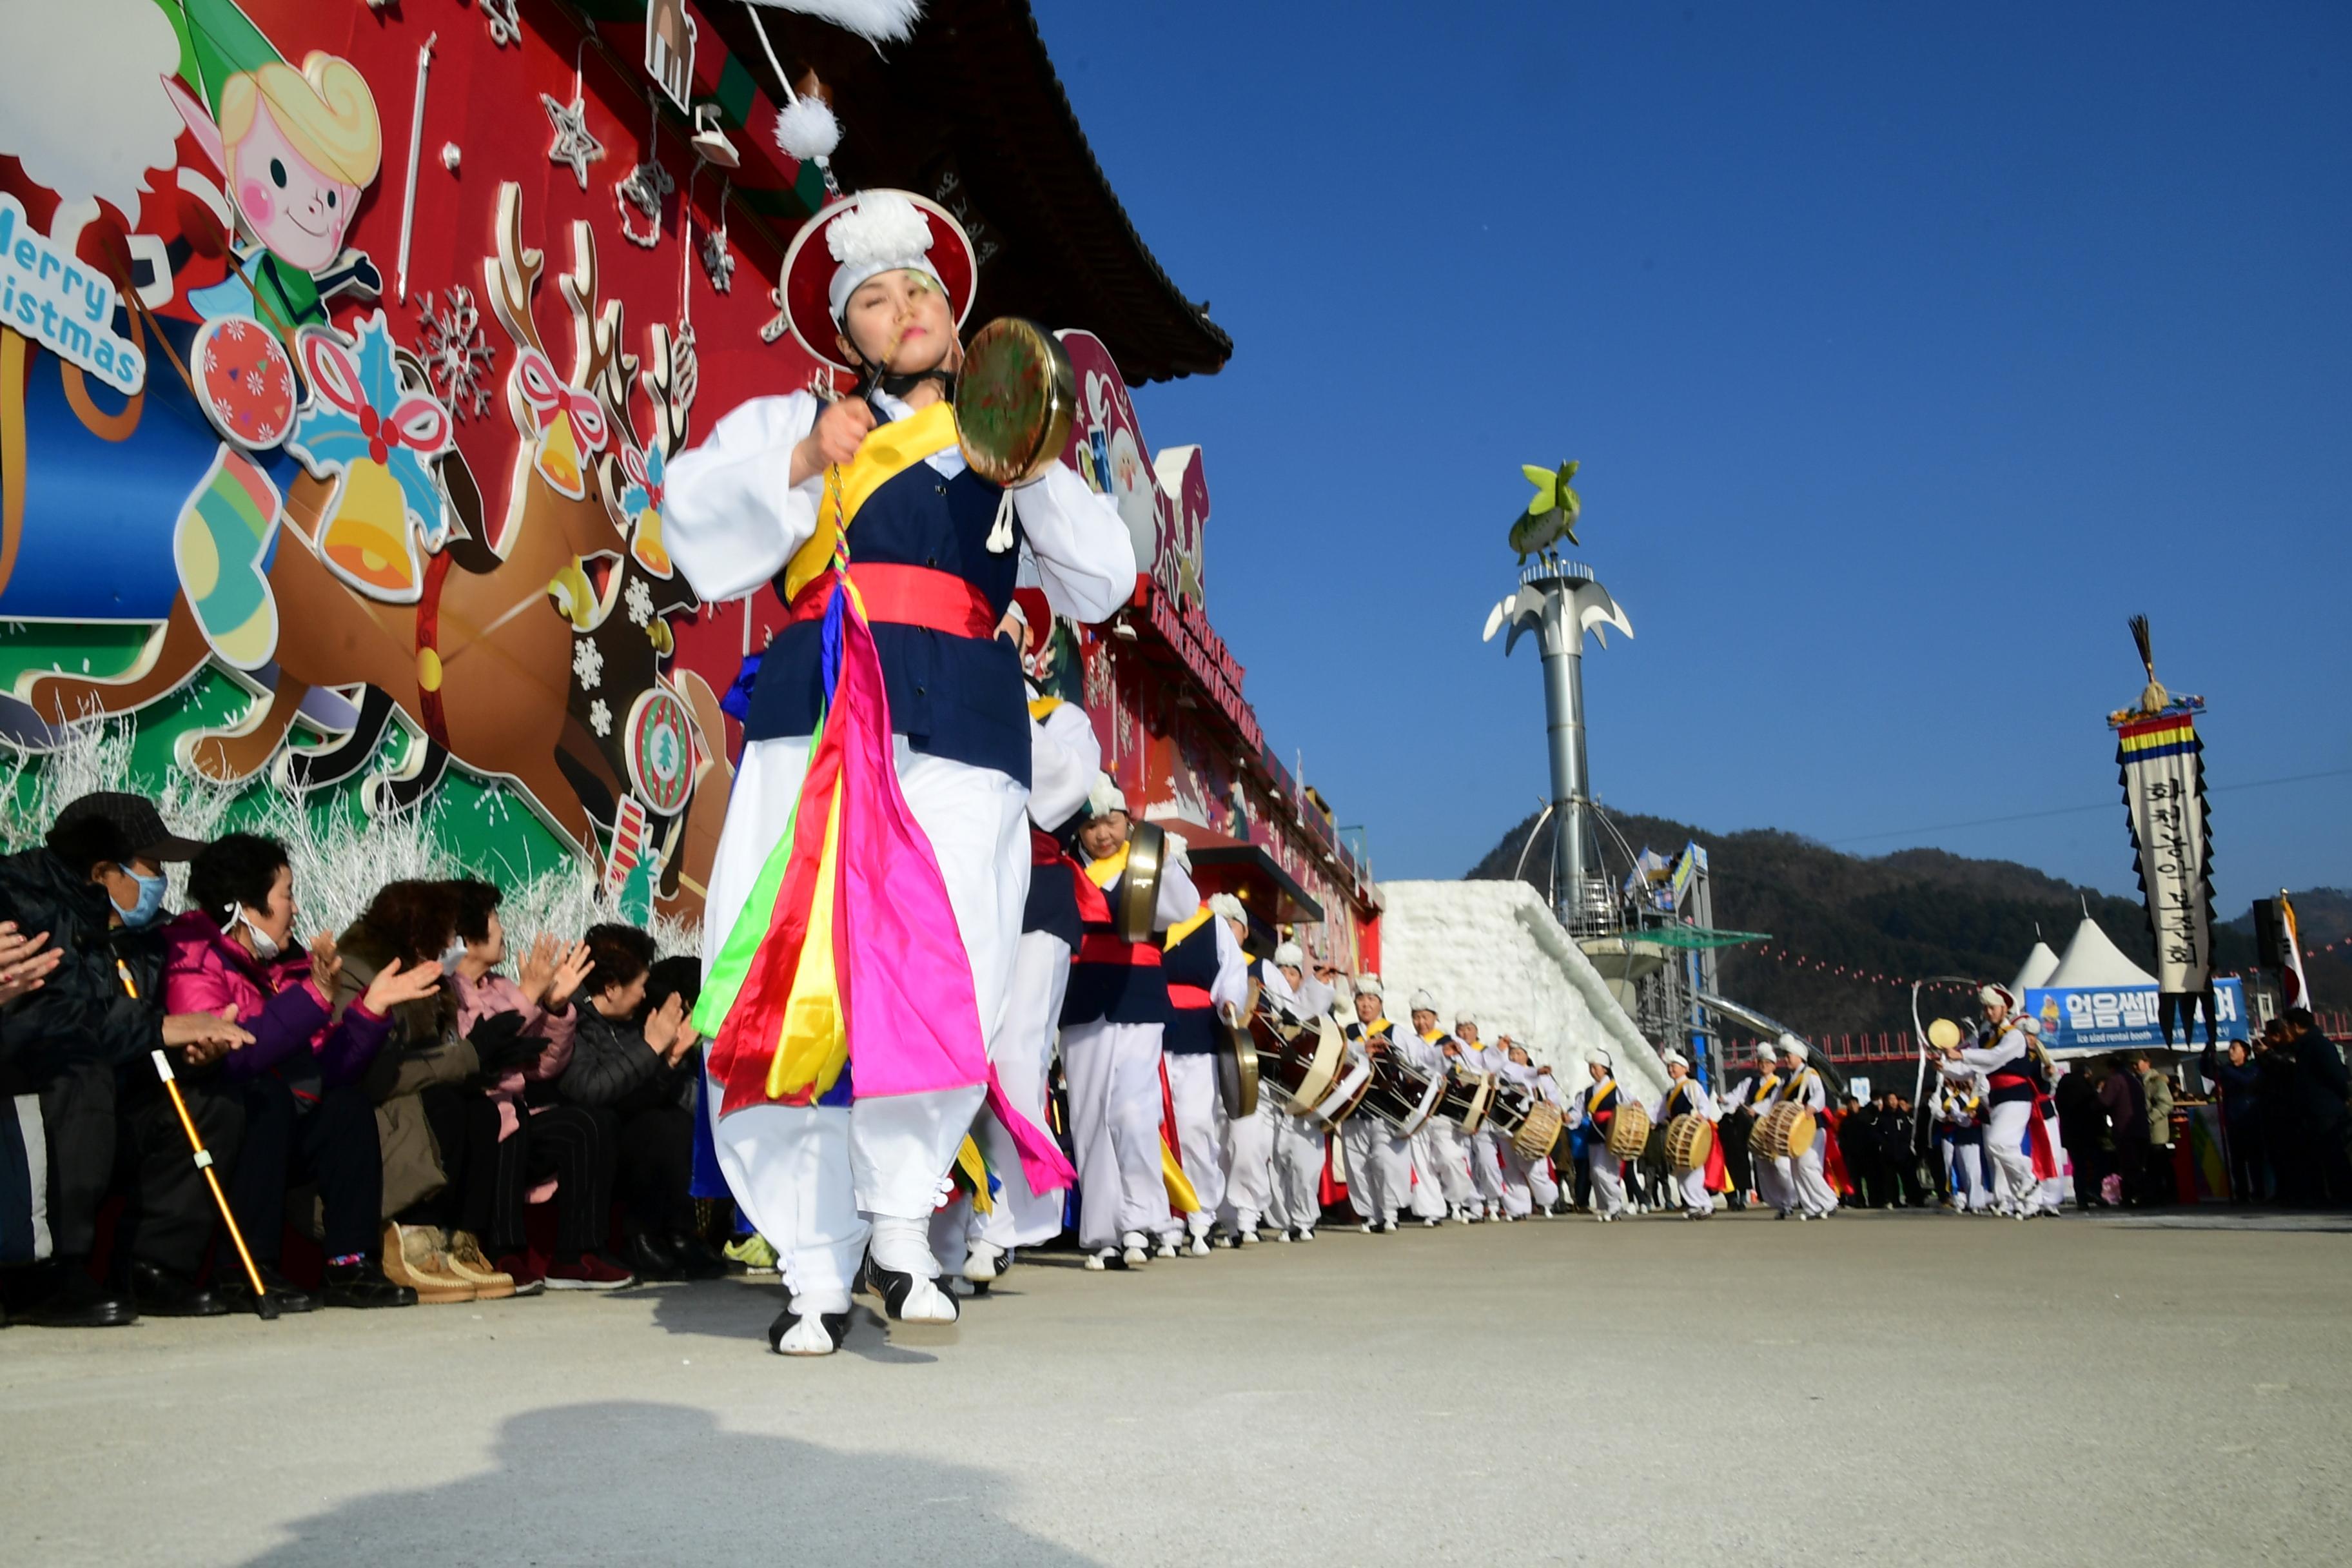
[573,145]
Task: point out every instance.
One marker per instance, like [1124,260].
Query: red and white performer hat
[870,233]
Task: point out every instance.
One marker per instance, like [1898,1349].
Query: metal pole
[1563,662]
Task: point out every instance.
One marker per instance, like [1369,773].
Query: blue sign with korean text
[2125,1018]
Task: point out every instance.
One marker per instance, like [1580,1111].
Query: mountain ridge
[1909,913]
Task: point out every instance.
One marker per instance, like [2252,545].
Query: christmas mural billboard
[1165,692]
[334,414]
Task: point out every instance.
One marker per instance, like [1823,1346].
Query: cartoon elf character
[297,148]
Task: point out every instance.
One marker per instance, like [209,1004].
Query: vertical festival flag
[2162,763]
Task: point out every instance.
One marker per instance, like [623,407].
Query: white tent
[2040,965]
[2093,960]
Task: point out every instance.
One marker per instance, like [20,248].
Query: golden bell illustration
[366,540]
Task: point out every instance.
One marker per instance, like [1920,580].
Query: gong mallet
[263,1307]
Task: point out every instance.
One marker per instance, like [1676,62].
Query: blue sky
[1907,350]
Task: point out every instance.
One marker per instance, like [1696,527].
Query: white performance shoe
[1200,1247]
[1134,1248]
[984,1263]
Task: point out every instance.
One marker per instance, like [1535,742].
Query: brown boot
[462,1257]
[412,1257]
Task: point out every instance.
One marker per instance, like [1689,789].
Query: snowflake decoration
[640,601]
[588,664]
[642,191]
[505,26]
[718,260]
[457,354]
[600,717]
[574,146]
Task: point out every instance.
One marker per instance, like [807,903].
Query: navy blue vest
[1053,903]
[953,696]
[1114,992]
[1191,962]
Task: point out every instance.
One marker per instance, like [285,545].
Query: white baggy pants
[1022,1051]
[1249,1164]
[805,1175]
[1802,1183]
[1449,1151]
[1298,1172]
[1380,1167]
[1696,1198]
[1113,1071]
[1608,1181]
[2005,1146]
[1428,1197]
[1192,1091]
[1487,1166]
[1527,1184]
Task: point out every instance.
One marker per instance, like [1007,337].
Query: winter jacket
[613,1066]
[2157,1091]
[205,970]
[2126,1106]
[2240,1086]
[477,1000]
[2322,1084]
[425,1050]
[82,1013]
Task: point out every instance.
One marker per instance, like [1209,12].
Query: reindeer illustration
[484,662]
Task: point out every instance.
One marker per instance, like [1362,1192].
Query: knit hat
[1422,1001]
[1289,955]
[1370,982]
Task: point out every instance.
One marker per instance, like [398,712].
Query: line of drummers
[1210,1099]
[1436,1125]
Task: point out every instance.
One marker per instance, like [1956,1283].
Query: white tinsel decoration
[340,859]
[882,21]
[806,130]
[885,228]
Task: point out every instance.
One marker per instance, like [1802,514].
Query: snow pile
[1493,949]
[86,110]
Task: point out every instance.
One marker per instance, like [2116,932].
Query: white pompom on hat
[1790,1046]
[1104,797]
[1989,994]
[1227,906]
[1671,1057]
[1422,1001]
[1290,956]
[1368,980]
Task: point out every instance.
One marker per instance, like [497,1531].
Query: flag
[2298,989]
[2161,762]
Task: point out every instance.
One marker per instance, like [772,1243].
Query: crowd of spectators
[427,1115]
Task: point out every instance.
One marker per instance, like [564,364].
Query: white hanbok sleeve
[732,517]
[1178,896]
[2001,1053]
[1231,987]
[1063,758]
[1707,1105]
[1085,559]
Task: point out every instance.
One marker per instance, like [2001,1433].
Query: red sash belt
[1101,947]
[1188,996]
[904,596]
[2042,1153]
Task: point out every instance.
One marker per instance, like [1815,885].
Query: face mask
[151,900]
[263,948]
[452,953]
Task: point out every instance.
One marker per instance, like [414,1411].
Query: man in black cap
[81,1041]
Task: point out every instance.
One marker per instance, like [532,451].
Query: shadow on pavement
[639,1483]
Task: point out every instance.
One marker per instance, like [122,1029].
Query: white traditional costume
[1595,1110]
[1802,1181]
[1686,1096]
[894,582]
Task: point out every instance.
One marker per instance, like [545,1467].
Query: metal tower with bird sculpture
[1560,600]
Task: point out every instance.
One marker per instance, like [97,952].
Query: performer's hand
[840,430]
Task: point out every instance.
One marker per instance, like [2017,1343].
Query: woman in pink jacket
[307,1119]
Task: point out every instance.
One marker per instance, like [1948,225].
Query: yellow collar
[1041,707]
[1598,1092]
[1102,873]
[1187,926]
[887,451]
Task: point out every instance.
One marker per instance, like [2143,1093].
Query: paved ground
[1883,1388]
